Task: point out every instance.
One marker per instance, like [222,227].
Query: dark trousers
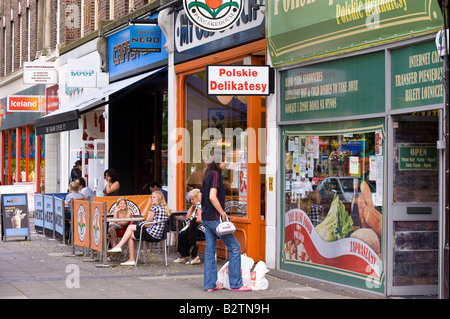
[184,245]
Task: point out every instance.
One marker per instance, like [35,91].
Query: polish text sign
[239,80]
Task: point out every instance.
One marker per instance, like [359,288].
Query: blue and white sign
[123,62]
[48,212]
[145,38]
[15,215]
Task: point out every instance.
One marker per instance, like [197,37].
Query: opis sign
[239,80]
[23,103]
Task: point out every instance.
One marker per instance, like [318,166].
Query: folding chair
[162,240]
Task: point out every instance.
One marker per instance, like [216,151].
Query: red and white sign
[239,80]
[348,253]
[26,103]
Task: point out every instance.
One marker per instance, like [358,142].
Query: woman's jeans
[234,263]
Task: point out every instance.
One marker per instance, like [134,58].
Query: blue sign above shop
[145,38]
[123,62]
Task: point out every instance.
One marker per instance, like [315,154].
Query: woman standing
[213,201]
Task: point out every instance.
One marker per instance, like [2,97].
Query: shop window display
[216,123]
[333,199]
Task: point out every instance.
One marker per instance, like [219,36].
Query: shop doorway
[413,177]
[138,136]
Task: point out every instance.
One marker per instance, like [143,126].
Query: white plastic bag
[258,277]
[246,265]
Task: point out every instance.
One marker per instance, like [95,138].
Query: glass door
[413,173]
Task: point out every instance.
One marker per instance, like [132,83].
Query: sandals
[243,288]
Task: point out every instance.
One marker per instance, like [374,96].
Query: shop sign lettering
[414,157]
[189,36]
[239,80]
[416,76]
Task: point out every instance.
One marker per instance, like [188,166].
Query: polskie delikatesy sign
[240,80]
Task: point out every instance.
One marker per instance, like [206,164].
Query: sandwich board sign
[14,216]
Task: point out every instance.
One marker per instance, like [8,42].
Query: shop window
[215,123]
[332,196]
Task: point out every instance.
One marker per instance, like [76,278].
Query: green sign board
[345,87]
[416,76]
[298,30]
[414,157]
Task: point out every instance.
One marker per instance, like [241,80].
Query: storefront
[361,197]
[137,115]
[234,124]
[112,112]
[22,155]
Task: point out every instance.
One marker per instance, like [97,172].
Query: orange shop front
[235,124]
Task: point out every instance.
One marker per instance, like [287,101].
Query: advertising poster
[81,222]
[15,215]
[333,246]
[97,226]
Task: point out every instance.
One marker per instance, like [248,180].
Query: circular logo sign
[96,226]
[81,223]
[213,15]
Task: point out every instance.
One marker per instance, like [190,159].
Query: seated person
[117,229]
[85,190]
[192,231]
[152,233]
[73,194]
[154,186]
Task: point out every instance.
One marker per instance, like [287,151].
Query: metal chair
[162,240]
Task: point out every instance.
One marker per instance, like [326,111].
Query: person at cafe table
[153,233]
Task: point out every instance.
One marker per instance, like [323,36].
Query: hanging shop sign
[145,38]
[82,73]
[298,30]
[25,103]
[123,62]
[416,76]
[337,88]
[192,42]
[213,15]
[239,80]
[39,73]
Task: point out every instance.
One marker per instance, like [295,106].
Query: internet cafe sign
[239,80]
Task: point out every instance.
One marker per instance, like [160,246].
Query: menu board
[15,216]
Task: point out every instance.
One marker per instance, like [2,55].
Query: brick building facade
[31,28]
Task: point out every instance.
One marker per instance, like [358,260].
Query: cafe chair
[163,240]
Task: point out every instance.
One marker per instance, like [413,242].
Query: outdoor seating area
[86,230]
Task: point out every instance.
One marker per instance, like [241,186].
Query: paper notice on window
[354,165]
[372,168]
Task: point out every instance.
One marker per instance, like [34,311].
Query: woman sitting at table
[117,229]
[192,231]
[152,233]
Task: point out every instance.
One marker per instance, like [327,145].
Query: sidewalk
[38,269]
